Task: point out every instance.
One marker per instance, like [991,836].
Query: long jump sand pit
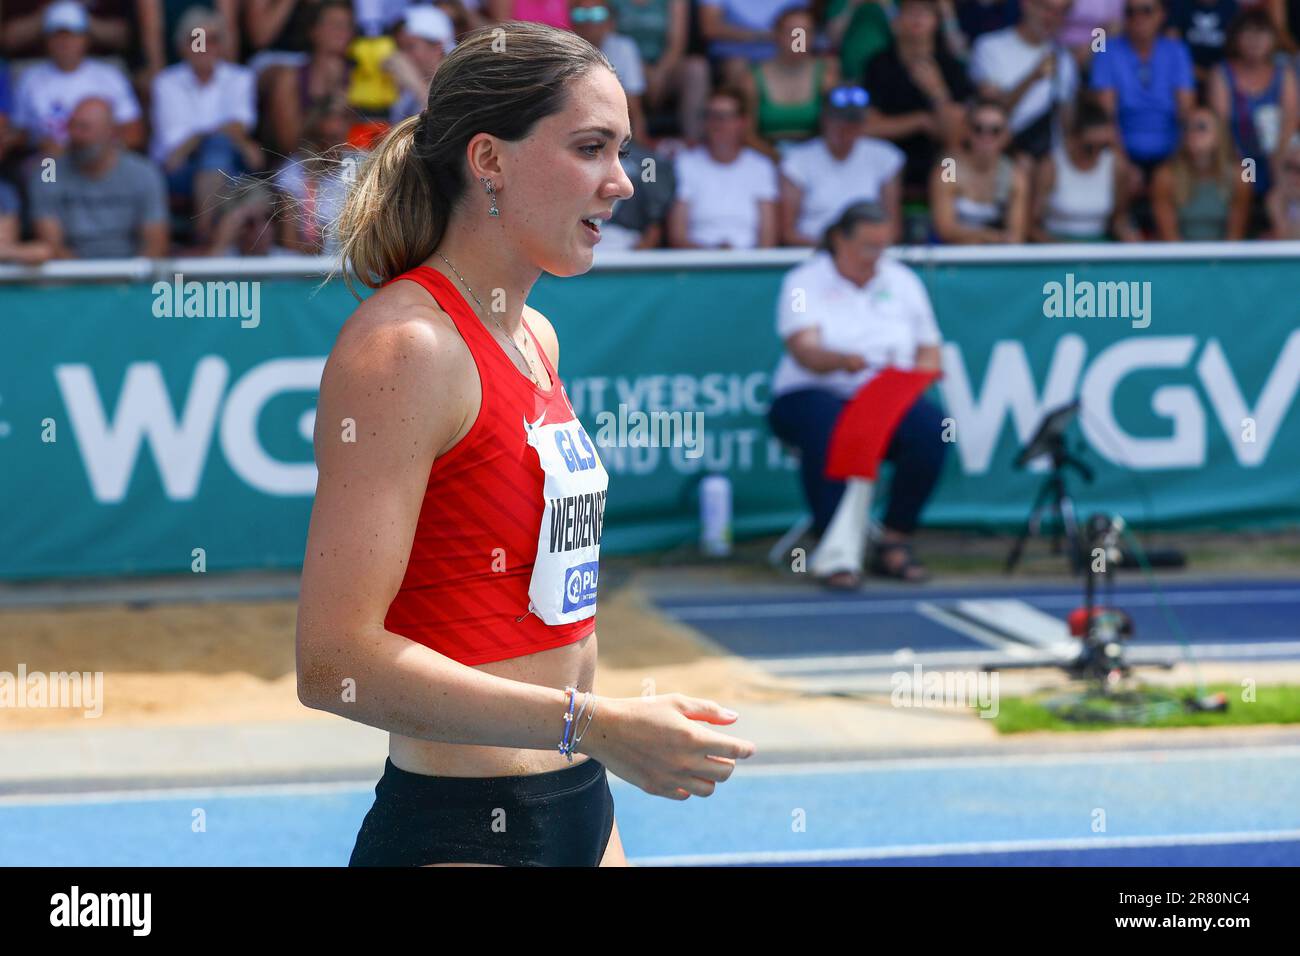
[181,663]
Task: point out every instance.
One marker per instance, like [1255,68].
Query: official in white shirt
[204,111]
[843,315]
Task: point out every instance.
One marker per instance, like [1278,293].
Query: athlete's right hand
[661,743]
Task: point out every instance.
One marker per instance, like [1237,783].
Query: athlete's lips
[592,225]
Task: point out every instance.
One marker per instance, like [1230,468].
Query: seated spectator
[1203,26]
[821,177]
[983,197]
[372,88]
[424,38]
[1283,203]
[1144,80]
[1199,194]
[109,27]
[314,181]
[726,191]
[48,91]
[554,13]
[661,29]
[593,22]
[917,93]
[640,222]
[740,32]
[203,111]
[1026,67]
[12,248]
[1082,20]
[158,20]
[1081,189]
[1255,94]
[783,95]
[860,312]
[278,32]
[295,91]
[106,202]
[245,222]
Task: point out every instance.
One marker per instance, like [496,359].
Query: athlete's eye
[594,146]
[625,152]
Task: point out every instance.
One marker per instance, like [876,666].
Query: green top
[1204,217]
[789,120]
[868,33]
[646,22]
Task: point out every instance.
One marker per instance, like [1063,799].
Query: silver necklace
[509,338]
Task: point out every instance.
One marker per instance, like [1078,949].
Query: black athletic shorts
[558,818]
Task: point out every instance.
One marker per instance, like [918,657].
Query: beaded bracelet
[565,746]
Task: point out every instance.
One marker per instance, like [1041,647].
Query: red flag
[866,425]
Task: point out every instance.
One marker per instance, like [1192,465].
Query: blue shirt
[1145,93]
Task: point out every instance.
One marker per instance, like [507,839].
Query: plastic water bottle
[715,515]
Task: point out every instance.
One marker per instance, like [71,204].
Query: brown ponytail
[500,79]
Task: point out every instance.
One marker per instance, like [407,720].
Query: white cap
[431,24]
[66,15]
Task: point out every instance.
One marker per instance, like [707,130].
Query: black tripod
[1053,494]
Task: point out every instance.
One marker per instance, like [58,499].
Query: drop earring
[494,212]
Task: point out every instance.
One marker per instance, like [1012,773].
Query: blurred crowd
[162,127]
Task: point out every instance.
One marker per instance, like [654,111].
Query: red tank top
[525,480]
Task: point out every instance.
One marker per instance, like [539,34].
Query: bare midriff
[573,664]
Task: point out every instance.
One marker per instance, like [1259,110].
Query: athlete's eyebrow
[603,131]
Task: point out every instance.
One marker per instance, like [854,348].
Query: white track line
[964,849]
[1137,653]
[832,608]
[791,768]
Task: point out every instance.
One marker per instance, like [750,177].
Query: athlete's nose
[623,185]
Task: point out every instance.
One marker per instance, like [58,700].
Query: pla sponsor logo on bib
[580,585]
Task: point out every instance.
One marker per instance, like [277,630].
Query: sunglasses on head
[589,14]
[848,96]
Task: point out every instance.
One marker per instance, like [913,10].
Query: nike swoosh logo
[529,426]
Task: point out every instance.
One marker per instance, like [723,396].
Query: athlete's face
[566,170]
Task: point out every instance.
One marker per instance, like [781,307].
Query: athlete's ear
[484,155]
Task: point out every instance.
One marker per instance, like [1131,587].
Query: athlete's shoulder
[401,325]
[545,333]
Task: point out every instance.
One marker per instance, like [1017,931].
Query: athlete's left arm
[545,333]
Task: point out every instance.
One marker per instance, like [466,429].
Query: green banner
[144,427]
